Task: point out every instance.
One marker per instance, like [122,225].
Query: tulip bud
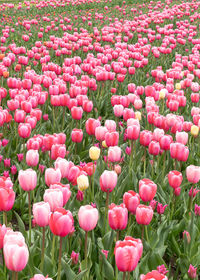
[192,272]
[187,236]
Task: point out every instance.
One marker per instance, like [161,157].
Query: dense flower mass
[99,139]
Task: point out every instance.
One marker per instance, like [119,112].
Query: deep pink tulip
[154,274]
[91,125]
[154,148]
[133,132]
[61,222]
[147,189]
[112,138]
[117,216]
[24,130]
[131,201]
[7,199]
[77,135]
[145,137]
[128,253]
[144,214]
[175,179]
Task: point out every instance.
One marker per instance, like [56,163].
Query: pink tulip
[41,211]
[182,137]
[88,217]
[16,255]
[108,181]
[54,197]
[32,158]
[65,189]
[52,176]
[64,166]
[27,179]
[114,154]
[193,174]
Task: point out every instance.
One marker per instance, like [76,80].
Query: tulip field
[99,140]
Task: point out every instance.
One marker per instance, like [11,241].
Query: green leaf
[107,268]
[21,224]
[70,275]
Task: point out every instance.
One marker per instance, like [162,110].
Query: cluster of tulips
[99,140]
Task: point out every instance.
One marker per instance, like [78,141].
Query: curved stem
[29,206]
[59,259]
[43,244]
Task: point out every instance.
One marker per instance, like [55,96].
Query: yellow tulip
[138,115]
[94,153]
[194,130]
[82,182]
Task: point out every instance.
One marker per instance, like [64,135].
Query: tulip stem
[124,275]
[146,233]
[29,206]
[173,202]
[163,171]
[63,120]
[142,232]
[129,274]
[53,249]
[145,161]
[86,237]
[43,244]
[16,275]
[4,218]
[117,236]
[92,180]
[59,259]
[191,201]
[131,158]
[129,223]
[106,211]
